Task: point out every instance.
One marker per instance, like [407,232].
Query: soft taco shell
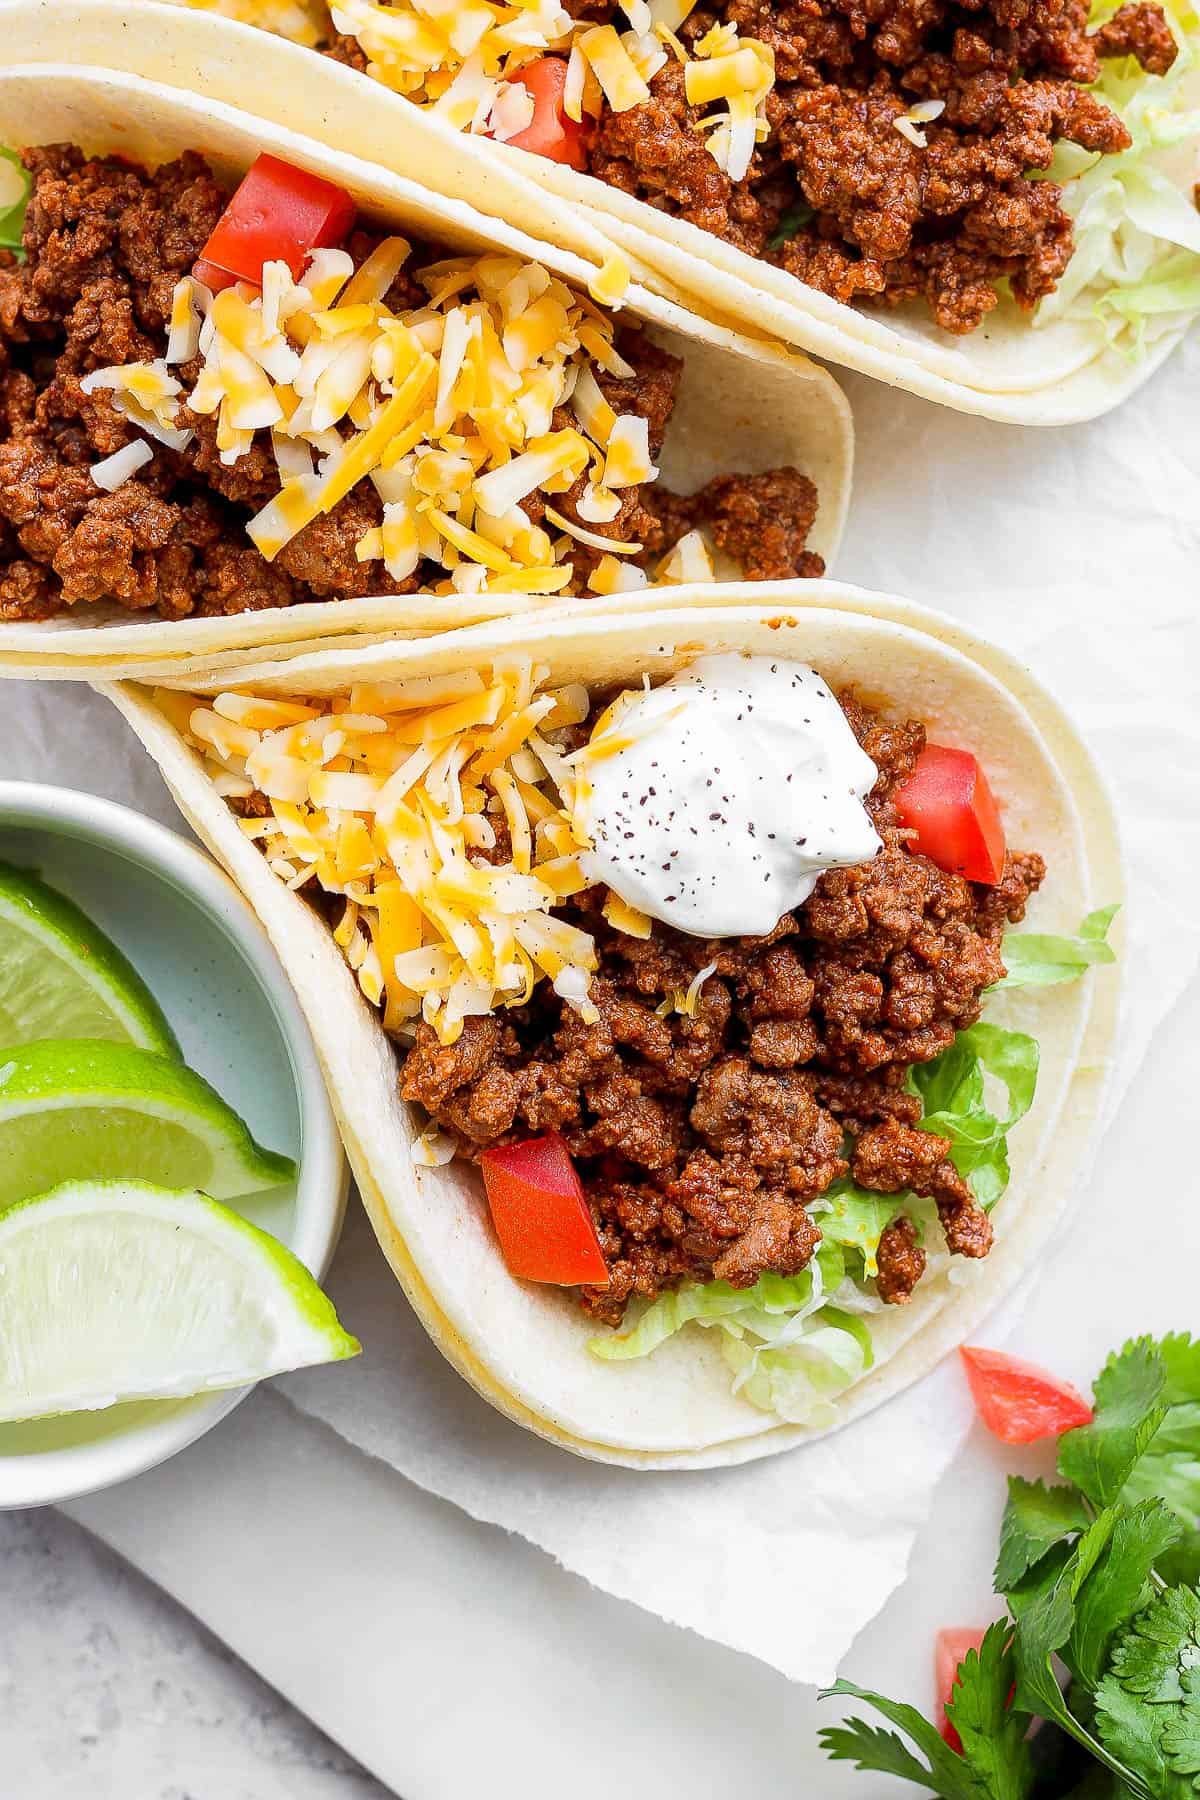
[743,405]
[1006,370]
[524,1348]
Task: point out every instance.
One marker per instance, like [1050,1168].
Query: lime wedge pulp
[60,977]
[95,1111]
[118,1290]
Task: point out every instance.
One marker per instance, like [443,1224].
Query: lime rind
[219,1303]
[185,1126]
[84,952]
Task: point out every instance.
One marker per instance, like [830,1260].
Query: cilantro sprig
[1099,1573]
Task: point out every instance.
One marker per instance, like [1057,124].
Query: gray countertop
[111,1691]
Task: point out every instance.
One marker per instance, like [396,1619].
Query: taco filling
[214,404]
[883,151]
[693,972]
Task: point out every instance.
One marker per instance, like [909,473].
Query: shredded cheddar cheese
[454,409]
[458,58]
[443,813]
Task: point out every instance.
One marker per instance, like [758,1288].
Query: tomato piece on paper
[1019,1402]
[950,1647]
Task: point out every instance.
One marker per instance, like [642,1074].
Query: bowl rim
[43,1478]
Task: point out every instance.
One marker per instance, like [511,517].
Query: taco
[989,202]
[258,394]
[658,970]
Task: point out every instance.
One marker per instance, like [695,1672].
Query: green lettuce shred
[1038,959]
[953,1089]
[789,1350]
[12,211]
[856,1220]
[1136,266]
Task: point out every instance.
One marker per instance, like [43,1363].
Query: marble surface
[110,1691]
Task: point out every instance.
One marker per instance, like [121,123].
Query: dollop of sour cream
[726,793]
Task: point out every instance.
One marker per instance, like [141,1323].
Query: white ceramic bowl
[208,962]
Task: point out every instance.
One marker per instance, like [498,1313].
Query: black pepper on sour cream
[729,790]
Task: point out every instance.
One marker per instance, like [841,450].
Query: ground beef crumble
[703,1141]
[105,243]
[840,198]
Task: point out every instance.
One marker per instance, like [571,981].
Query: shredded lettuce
[800,1381]
[794,1343]
[1136,267]
[856,1219]
[1039,959]
[789,1350]
[15,188]
[953,1088]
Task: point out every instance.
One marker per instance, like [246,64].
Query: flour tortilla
[743,405]
[1007,369]
[524,1347]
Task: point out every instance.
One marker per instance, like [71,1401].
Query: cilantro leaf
[1045,1627]
[994,1764]
[1036,1518]
[1181,1740]
[872,1748]
[1169,1468]
[1128,1731]
[1148,1705]
[1119,1585]
[1100,1458]
[1040,959]
[993,1735]
[1181,1359]
[1161,1645]
[1180,1567]
[1040,1579]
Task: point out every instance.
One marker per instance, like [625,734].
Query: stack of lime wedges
[124,1272]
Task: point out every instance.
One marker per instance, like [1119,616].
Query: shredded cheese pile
[458,56]
[382,794]
[448,408]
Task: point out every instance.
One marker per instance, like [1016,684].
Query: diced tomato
[949,1651]
[550,133]
[540,1214]
[278,214]
[950,1647]
[1018,1402]
[948,803]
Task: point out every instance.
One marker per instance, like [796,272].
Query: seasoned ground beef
[840,198]
[105,243]
[703,1141]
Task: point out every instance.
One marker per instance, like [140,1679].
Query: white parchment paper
[1081,551]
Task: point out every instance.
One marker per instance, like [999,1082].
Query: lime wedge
[87,1111]
[117,1290]
[61,977]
